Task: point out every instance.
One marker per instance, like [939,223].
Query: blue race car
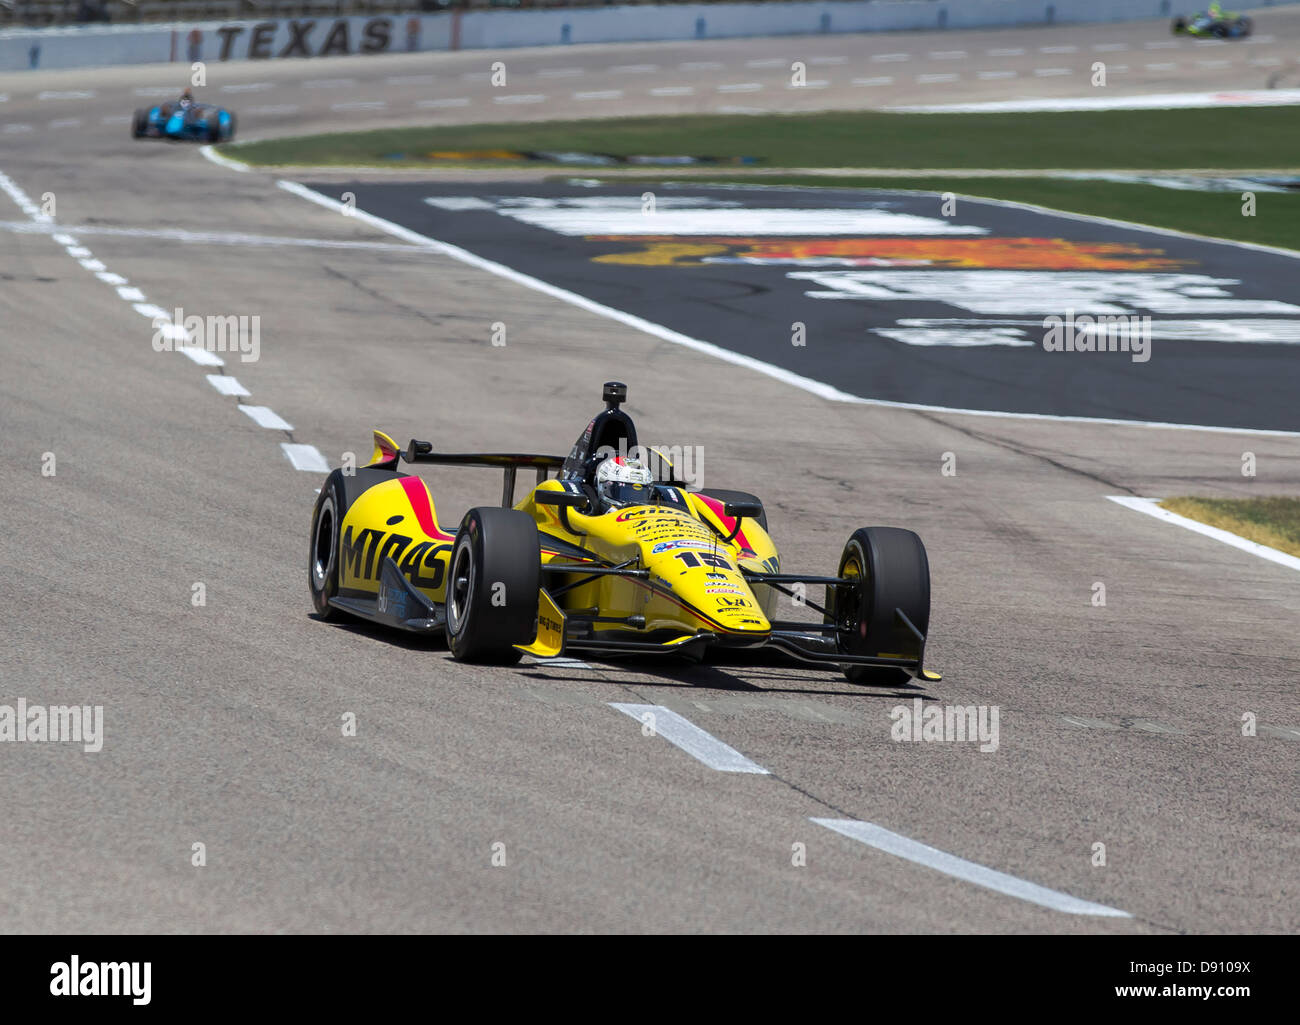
[184,120]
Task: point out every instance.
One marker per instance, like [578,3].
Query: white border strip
[1151,506]
[305,457]
[807,384]
[683,733]
[222,160]
[959,868]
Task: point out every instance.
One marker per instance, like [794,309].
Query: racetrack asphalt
[1121,724]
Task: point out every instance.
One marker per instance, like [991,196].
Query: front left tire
[492,584]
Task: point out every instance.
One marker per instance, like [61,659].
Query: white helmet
[622,481]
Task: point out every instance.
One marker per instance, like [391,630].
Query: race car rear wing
[508,462]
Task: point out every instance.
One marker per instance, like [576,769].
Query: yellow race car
[609,559]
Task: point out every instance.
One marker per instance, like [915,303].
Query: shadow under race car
[567,569]
[198,122]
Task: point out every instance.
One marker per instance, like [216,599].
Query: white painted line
[740,87]
[459,101]
[274,108]
[97,268]
[1110,47]
[4,97]
[959,868]
[79,252]
[730,109]
[248,87]
[1257,40]
[807,384]
[1266,62]
[1052,72]
[115,119]
[948,55]
[222,160]
[937,78]
[1160,67]
[1058,49]
[71,94]
[227,385]
[1213,64]
[828,60]
[990,75]
[130,293]
[559,72]
[1169,45]
[767,62]
[690,738]
[305,457]
[1156,101]
[409,80]
[64,240]
[879,80]
[891,58]
[14,129]
[1014,51]
[152,312]
[559,662]
[154,90]
[66,122]
[360,105]
[265,416]
[812,83]
[108,277]
[672,90]
[205,359]
[520,98]
[633,69]
[1151,507]
[328,83]
[600,94]
[701,66]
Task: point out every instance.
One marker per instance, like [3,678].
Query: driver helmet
[187,98]
[1216,11]
[621,482]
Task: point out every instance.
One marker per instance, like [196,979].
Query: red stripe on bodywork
[417,493]
[729,524]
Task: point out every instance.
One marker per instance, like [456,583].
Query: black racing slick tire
[492,586]
[323,558]
[230,136]
[139,124]
[736,496]
[892,572]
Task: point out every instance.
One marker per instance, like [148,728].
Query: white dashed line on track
[740,87]
[1171,44]
[305,457]
[1110,47]
[1014,51]
[937,78]
[227,385]
[360,105]
[948,55]
[767,62]
[154,91]
[1058,49]
[991,75]
[559,72]
[71,94]
[265,416]
[517,98]
[66,122]
[672,90]
[827,60]
[633,69]
[959,868]
[879,80]
[701,66]
[276,108]
[15,129]
[106,276]
[1213,64]
[459,101]
[600,94]
[200,356]
[812,83]
[1052,72]
[115,119]
[248,87]
[329,83]
[891,58]
[409,80]
[684,734]
[1160,67]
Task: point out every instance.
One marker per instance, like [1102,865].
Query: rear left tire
[494,575]
[139,124]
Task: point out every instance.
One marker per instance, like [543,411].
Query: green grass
[1245,138]
[1217,214]
[1274,522]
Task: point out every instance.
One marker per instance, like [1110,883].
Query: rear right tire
[139,124]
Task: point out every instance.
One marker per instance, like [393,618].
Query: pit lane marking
[520,98]
[1013,51]
[673,90]
[459,101]
[968,871]
[600,94]
[740,87]
[879,80]
[265,416]
[891,58]
[684,734]
[227,385]
[1151,507]
[766,62]
[305,457]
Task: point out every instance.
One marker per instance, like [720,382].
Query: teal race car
[1214,24]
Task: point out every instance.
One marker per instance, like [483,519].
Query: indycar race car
[186,122]
[605,558]
[1211,25]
